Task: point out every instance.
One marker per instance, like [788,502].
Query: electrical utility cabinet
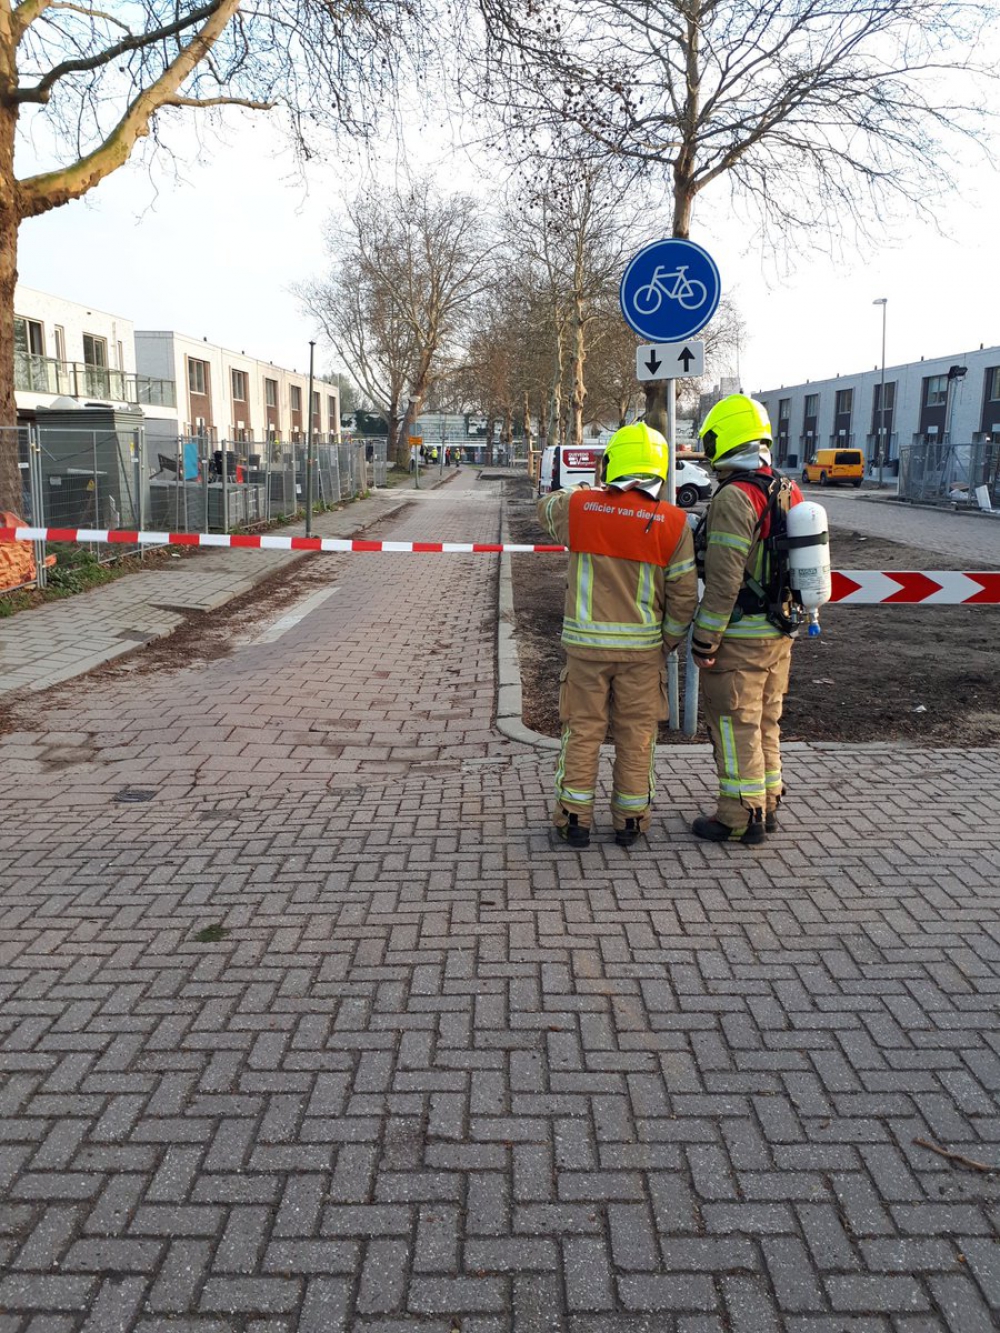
[94,472]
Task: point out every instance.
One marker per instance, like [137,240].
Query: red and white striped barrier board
[932,587]
[853,587]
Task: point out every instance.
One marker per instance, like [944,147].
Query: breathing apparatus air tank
[808,534]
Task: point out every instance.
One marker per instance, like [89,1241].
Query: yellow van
[831,466]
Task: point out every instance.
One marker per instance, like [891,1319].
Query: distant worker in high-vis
[632,592]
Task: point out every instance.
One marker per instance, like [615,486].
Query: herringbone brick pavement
[430,1071]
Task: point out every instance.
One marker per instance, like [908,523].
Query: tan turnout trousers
[742,698]
[632,696]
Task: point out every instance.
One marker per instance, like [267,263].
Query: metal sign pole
[673,675]
[669,291]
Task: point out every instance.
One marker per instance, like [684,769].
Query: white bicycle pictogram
[689,293]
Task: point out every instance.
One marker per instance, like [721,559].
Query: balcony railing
[43,374]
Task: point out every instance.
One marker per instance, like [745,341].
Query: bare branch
[88,13]
[220,101]
[40,91]
[40,193]
[24,15]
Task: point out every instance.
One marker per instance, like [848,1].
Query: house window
[784,409]
[331,404]
[845,401]
[97,381]
[812,405]
[121,356]
[271,393]
[95,351]
[60,339]
[295,398]
[29,337]
[993,384]
[239,378]
[936,391]
[890,397]
[197,376]
[315,404]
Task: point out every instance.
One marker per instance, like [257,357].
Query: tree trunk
[579,361]
[406,430]
[656,405]
[397,442]
[10,472]
[555,394]
[528,439]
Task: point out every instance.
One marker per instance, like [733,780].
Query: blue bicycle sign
[670,290]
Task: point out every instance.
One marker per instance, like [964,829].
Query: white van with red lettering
[566,465]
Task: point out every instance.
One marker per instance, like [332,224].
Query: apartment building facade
[66,350]
[948,399]
[224,395]
[186,387]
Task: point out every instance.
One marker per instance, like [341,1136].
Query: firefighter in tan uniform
[743,654]
[631,593]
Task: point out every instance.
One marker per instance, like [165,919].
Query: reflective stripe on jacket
[734,550]
[632,583]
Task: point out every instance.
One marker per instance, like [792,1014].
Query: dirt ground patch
[862,680]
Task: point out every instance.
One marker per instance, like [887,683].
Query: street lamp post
[309,446]
[880,439]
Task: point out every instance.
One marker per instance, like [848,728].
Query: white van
[566,465]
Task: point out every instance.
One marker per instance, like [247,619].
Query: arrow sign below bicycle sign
[670,361]
[669,291]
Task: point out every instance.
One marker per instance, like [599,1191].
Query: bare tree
[105,77]
[571,230]
[505,374]
[614,390]
[814,112]
[413,264]
[364,324]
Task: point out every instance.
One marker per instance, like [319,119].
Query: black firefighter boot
[626,836]
[715,831]
[575,833]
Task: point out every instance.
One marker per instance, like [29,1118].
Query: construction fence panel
[87,478]
[378,452]
[949,474]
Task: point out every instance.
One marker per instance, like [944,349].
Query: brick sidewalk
[438,1074]
[62,640]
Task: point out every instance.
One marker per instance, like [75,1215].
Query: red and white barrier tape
[259,543]
[853,587]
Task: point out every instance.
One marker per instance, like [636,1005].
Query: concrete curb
[509,700]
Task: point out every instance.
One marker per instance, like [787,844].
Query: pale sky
[215,253]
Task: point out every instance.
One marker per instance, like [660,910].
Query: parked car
[566,465]
[831,466]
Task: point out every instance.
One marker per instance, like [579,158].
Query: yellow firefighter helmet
[636,451]
[732,424]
